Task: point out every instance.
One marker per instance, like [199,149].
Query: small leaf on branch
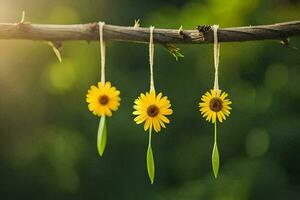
[180,30]
[175,51]
[57,47]
[23,17]
[137,23]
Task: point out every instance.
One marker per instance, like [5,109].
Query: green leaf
[150,159]
[102,136]
[56,47]
[215,160]
[150,164]
[175,51]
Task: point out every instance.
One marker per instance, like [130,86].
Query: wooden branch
[89,32]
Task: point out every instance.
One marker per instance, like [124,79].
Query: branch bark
[89,32]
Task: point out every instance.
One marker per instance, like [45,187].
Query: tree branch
[89,32]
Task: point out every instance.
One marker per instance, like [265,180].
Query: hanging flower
[152,109]
[104,99]
[215,106]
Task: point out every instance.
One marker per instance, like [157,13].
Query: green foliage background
[48,136]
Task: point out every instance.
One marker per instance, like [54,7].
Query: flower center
[152,110]
[216,104]
[103,99]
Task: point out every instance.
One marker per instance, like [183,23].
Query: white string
[216,56]
[102,51]
[151,58]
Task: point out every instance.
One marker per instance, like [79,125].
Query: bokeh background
[48,136]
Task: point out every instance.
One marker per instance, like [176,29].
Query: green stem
[150,135]
[215,133]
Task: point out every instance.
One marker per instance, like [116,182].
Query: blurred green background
[48,136]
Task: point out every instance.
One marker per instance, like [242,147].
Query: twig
[89,32]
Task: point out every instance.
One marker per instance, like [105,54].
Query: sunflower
[152,109]
[215,106]
[104,99]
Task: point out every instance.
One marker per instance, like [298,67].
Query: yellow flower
[152,109]
[215,106]
[104,99]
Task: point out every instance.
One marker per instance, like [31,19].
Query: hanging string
[101,135]
[216,56]
[151,57]
[102,51]
[215,153]
[150,158]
